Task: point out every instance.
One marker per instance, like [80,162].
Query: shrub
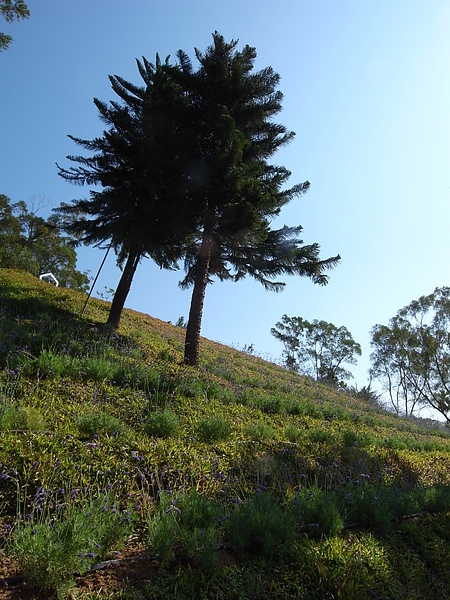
[316,512]
[270,405]
[213,430]
[260,431]
[18,417]
[437,498]
[51,548]
[321,436]
[293,434]
[350,439]
[260,527]
[162,424]
[98,423]
[185,527]
[369,507]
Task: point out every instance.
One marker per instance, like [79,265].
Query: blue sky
[366,89]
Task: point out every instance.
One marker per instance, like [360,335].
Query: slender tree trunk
[124,287]
[192,343]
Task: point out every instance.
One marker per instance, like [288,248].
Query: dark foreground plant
[259,526]
[185,528]
[55,541]
[316,512]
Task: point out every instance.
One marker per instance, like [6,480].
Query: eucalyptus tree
[317,348]
[139,164]
[411,355]
[235,193]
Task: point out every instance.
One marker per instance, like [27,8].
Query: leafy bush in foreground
[51,550]
[260,527]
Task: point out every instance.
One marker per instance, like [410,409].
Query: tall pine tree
[138,162]
[235,192]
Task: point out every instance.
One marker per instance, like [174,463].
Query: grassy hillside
[235,480]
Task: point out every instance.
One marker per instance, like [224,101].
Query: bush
[369,507]
[316,512]
[260,431]
[320,436]
[98,423]
[185,527]
[51,549]
[293,434]
[213,430]
[18,417]
[260,527]
[162,424]
[437,498]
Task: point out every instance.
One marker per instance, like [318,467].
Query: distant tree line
[183,175]
[31,243]
[410,358]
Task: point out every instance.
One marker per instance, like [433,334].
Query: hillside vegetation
[238,479]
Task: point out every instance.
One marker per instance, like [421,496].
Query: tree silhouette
[235,192]
[141,209]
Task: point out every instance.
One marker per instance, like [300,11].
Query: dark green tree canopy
[411,356]
[236,192]
[139,162]
[135,162]
[11,10]
[185,174]
[30,243]
[317,348]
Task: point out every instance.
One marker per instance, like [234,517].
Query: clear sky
[366,89]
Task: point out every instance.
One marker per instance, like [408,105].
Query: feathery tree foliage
[235,192]
[30,243]
[139,162]
[185,174]
[411,356]
[12,10]
[316,348]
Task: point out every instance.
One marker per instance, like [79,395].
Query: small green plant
[185,527]
[437,498]
[99,422]
[57,364]
[320,436]
[260,431]
[21,417]
[260,527]
[316,512]
[61,538]
[213,430]
[162,424]
[271,405]
[350,439]
[369,507]
[293,434]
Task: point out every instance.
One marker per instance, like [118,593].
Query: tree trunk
[192,343]
[124,287]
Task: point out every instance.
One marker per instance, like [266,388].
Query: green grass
[245,480]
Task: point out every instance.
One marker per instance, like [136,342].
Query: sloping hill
[235,480]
